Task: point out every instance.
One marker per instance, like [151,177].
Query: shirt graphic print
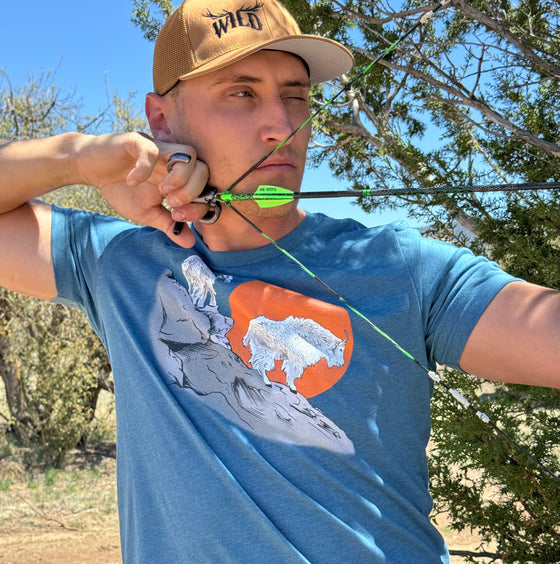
[260,367]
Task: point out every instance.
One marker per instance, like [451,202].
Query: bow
[267,196]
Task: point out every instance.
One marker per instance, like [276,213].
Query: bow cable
[432,374]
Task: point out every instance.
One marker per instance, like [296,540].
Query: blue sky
[94,47]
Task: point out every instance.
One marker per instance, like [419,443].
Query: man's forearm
[31,168]
[129,170]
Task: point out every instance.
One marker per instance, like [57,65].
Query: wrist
[72,152]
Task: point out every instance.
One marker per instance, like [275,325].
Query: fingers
[148,154]
[186,179]
[145,163]
[180,168]
[177,172]
[164,222]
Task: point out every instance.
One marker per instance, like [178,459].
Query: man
[258,419]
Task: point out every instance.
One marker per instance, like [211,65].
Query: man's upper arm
[25,251]
[517,338]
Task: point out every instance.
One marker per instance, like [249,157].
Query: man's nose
[277,122]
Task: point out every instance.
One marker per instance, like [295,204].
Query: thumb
[180,233]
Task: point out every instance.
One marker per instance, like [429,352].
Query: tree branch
[483,554]
[475,103]
[525,48]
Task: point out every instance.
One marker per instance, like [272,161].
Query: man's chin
[252,209]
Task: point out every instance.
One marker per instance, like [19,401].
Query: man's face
[236,115]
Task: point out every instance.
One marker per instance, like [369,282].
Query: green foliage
[125,115]
[60,361]
[471,97]
[483,482]
[143,18]
[525,237]
[38,108]
[52,364]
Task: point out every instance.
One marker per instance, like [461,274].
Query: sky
[94,48]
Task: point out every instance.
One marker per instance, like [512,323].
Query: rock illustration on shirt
[193,345]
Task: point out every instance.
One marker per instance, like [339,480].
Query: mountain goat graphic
[298,341]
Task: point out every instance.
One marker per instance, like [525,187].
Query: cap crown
[201,36]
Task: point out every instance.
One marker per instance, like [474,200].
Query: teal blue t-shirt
[259,420]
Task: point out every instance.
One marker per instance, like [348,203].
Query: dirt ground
[61,517]
[50,545]
[56,546]
[96,546]
[70,517]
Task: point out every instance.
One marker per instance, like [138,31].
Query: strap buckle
[208,198]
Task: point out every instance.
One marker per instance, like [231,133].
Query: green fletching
[268,196]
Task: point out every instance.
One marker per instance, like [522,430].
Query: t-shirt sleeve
[78,241]
[454,289]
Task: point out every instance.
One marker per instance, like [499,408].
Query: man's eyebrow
[250,79]
[236,78]
[304,83]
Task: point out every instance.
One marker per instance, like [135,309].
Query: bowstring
[345,88]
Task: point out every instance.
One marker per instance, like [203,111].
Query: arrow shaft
[284,196]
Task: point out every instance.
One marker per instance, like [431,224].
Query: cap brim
[326,58]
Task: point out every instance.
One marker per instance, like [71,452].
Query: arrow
[268,196]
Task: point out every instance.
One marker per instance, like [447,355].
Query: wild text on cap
[243,17]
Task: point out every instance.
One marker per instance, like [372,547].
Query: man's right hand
[130,171]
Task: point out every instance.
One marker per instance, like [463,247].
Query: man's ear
[157,109]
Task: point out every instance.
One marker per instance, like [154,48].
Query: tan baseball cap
[201,36]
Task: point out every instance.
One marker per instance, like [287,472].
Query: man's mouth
[276,165]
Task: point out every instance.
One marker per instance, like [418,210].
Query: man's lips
[276,165]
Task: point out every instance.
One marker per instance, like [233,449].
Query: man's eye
[242,94]
[296,96]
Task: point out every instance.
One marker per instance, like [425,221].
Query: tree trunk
[15,393]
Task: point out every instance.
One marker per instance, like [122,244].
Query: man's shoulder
[85,225]
[348,231]
[77,216]
[87,235]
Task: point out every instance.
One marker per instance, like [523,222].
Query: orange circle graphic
[253,299]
